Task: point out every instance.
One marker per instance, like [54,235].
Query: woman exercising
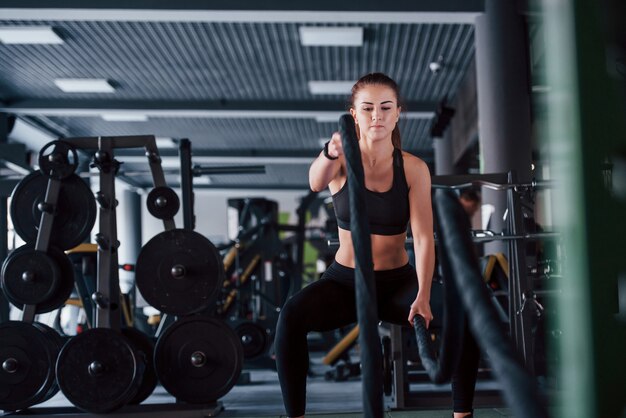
[398,191]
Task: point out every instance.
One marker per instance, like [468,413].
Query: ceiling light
[165,143]
[330,87]
[84,85]
[29,35]
[331,36]
[202,180]
[436,66]
[124,117]
[332,117]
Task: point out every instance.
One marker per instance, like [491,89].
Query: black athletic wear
[388,211]
[328,304]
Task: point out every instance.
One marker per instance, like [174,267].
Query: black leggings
[328,304]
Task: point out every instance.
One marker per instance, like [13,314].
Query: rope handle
[425,349]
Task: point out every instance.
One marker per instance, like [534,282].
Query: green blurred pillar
[586,126]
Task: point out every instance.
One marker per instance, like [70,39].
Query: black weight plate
[198,359]
[201,272]
[66,282]
[254,339]
[55,343]
[66,285]
[98,370]
[30,277]
[26,366]
[163,203]
[74,217]
[58,159]
[144,346]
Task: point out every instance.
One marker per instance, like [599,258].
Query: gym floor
[261,398]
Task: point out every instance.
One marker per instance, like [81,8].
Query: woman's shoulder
[413,163]
[416,172]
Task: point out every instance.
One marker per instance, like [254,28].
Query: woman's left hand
[421,306]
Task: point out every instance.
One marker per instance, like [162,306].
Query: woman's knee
[290,318]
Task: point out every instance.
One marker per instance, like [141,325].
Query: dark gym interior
[190,128]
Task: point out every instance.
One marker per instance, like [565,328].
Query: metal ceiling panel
[213,61]
[198,62]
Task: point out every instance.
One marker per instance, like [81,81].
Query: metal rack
[410,387]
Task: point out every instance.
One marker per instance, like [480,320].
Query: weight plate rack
[110,367]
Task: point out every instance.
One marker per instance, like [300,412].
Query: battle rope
[519,388]
[460,272]
[367,311]
[440,367]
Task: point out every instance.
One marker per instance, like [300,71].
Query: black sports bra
[388,211]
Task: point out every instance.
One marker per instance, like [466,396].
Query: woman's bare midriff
[388,251]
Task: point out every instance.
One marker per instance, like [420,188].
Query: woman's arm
[323,170]
[418,179]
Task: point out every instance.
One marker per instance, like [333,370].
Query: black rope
[440,367]
[519,388]
[367,312]
[462,272]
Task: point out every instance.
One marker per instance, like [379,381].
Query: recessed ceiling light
[202,180]
[124,117]
[165,143]
[29,35]
[330,36]
[332,117]
[330,87]
[84,85]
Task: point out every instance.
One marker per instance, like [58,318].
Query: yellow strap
[154,320]
[341,346]
[230,257]
[84,248]
[504,263]
[229,300]
[128,315]
[249,269]
[74,302]
[491,262]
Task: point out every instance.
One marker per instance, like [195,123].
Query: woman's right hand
[335,147]
[324,170]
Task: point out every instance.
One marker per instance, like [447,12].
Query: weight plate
[58,159]
[163,203]
[66,279]
[144,346]
[198,359]
[179,272]
[99,371]
[26,366]
[75,213]
[29,277]
[56,342]
[254,339]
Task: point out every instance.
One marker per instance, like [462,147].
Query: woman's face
[375,111]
